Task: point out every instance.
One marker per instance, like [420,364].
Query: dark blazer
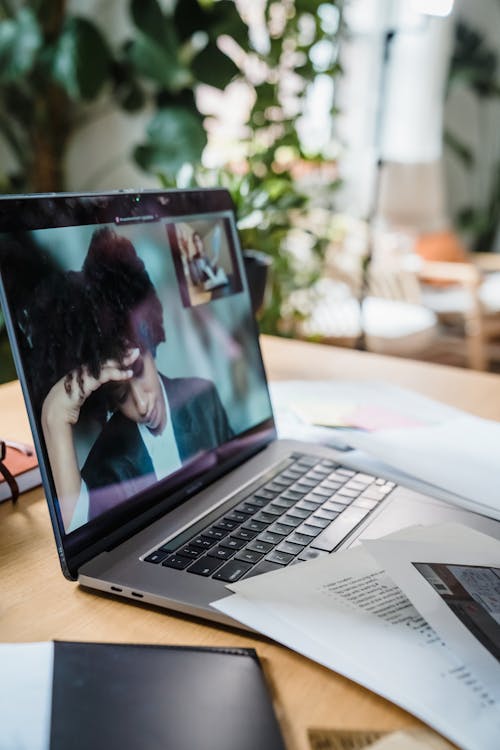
[118,465]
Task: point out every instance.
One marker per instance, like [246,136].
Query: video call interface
[139,347]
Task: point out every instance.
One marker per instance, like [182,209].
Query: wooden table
[37,603]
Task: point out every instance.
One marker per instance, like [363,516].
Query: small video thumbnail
[205,260]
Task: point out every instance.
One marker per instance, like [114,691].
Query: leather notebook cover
[108,696]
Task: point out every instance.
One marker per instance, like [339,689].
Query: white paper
[474,561]
[328,610]
[444,448]
[460,455]
[26,671]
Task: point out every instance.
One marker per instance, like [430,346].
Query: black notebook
[138,697]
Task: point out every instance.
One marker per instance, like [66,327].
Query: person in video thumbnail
[112,330]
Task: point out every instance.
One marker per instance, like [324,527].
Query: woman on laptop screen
[101,358]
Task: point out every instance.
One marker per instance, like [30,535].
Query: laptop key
[213,533]
[235,515]
[259,502]
[316,520]
[254,525]
[266,494]
[225,523]
[306,505]
[299,513]
[274,510]
[265,517]
[291,521]
[205,566]
[176,561]
[283,502]
[327,513]
[248,508]
[281,558]
[156,557]
[293,495]
[281,528]
[310,531]
[272,537]
[203,542]
[245,534]
[248,555]
[189,551]
[302,539]
[233,543]
[221,553]
[339,529]
[289,548]
[344,492]
[258,546]
[336,505]
[232,571]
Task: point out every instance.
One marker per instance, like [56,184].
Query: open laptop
[131,325]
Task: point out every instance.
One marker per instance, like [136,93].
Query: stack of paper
[401,616]
[442,447]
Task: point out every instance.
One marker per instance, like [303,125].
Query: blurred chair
[465,295]
[388,320]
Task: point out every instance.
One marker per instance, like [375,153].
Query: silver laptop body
[131,326]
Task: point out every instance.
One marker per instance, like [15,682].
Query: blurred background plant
[474,67]
[61,68]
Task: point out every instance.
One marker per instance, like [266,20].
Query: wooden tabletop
[37,603]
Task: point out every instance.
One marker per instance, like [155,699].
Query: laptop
[130,319]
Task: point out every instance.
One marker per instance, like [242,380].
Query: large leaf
[213,67]
[160,62]
[20,40]
[148,17]
[81,61]
[189,17]
[221,17]
[175,137]
[227,20]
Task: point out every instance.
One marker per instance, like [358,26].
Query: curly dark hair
[86,317]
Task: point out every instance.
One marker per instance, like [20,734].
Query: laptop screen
[136,344]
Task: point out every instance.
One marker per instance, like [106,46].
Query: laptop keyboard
[306,509]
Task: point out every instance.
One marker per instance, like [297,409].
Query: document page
[454,582]
[416,437]
[459,455]
[25,695]
[345,612]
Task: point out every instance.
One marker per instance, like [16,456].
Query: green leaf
[227,20]
[20,41]
[160,63]
[213,67]
[81,62]
[189,17]
[221,17]
[175,137]
[148,17]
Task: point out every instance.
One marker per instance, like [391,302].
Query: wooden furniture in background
[37,603]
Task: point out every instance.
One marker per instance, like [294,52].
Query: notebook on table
[130,319]
[105,695]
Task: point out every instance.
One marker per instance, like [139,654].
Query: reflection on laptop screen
[140,355]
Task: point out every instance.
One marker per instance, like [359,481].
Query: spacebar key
[339,529]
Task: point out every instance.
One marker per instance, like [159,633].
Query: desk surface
[37,603]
